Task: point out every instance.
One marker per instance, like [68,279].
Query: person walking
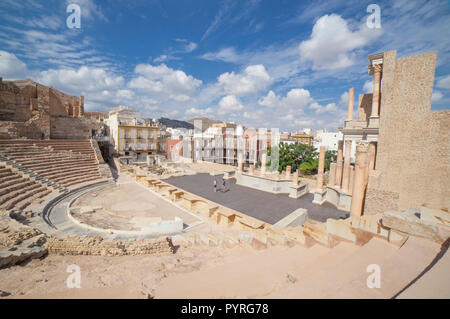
[224,186]
[215,185]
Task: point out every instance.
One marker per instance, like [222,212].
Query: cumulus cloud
[198,112]
[11,67]
[332,43]
[344,98]
[253,79]
[229,103]
[81,81]
[436,96]
[162,79]
[270,100]
[368,87]
[320,109]
[444,82]
[295,98]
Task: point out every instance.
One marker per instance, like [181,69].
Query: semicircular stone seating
[17,191]
[64,162]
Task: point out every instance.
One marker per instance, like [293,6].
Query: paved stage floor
[265,206]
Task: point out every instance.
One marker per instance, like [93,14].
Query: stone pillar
[263,163]
[240,162]
[76,107]
[252,169]
[339,165]
[321,167]
[350,105]
[372,155]
[81,113]
[359,180]
[347,167]
[295,178]
[352,176]
[376,90]
[288,171]
[332,174]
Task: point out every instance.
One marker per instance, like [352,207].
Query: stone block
[318,232]
[341,229]
[432,216]
[409,222]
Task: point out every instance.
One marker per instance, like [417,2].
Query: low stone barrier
[97,246]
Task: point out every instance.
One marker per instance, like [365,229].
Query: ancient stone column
[321,167]
[263,163]
[350,104]
[347,167]
[339,165]
[376,90]
[332,174]
[241,162]
[288,171]
[352,176]
[372,155]
[359,180]
[295,178]
[76,107]
[81,112]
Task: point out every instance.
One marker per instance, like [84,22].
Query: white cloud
[344,98]
[436,96]
[295,98]
[320,109]
[253,115]
[163,79]
[444,82]
[225,54]
[368,87]
[81,81]
[229,104]
[199,112]
[253,79]
[161,58]
[270,100]
[191,46]
[11,67]
[332,43]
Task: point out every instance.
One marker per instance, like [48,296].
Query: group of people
[224,185]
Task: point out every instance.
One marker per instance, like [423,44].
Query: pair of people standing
[224,186]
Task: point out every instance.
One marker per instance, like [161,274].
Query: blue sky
[284,64]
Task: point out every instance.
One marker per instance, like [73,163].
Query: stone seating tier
[50,167]
[64,162]
[18,192]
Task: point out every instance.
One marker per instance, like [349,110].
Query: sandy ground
[108,277]
[240,272]
[127,206]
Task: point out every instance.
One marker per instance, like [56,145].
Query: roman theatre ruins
[271,234]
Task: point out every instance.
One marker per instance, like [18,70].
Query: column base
[319,196]
[374,121]
[298,191]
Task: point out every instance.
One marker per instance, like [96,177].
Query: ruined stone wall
[97,246]
[68,127]
[413,145]
[26,108]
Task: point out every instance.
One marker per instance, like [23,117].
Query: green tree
[294,155]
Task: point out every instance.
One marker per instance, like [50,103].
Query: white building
[327,139]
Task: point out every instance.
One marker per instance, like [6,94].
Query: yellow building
[132,135]
[302,138]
